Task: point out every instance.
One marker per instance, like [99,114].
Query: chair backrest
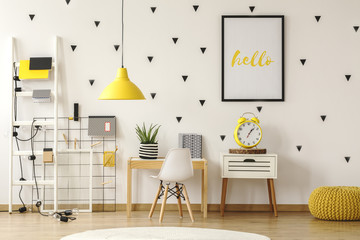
[177,165]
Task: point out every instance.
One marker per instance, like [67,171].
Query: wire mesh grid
[73,167]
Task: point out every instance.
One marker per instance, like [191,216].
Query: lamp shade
[121,88]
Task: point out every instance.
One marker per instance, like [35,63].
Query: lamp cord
[122,34]
[16,140]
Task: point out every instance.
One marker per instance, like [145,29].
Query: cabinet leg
[223,196]
[273,196]
[270,196]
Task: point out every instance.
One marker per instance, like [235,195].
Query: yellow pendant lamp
[122,88]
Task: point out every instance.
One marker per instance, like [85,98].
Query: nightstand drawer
[249,166]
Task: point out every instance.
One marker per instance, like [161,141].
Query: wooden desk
[138,163]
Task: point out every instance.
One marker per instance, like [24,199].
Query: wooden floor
[289,225]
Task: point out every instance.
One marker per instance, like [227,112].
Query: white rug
[164,233]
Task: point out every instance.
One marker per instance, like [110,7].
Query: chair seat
[172,180]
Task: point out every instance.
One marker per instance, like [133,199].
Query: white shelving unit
[53,122]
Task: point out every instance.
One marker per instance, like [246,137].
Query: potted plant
[148,142]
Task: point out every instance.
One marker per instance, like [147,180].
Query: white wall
[331,47]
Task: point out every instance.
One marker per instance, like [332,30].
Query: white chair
[176,168]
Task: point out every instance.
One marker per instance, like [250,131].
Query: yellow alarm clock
[248,132]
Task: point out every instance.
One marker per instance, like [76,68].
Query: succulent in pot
[148,143]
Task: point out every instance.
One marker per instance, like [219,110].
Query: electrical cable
[122,34]
[32,154]
[15,86]
[16,140]
[23,209]
[32,136]
[38,203]
[15,106]
[25,140]
[21,173]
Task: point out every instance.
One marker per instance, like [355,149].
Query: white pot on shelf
[148,151]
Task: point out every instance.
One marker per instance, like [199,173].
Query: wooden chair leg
[270,197]
[273,196]
[163,204]
[179,200]
[155,201]
[188,203]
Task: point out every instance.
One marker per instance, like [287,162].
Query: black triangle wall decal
[317,18]
[348,77]
[222,137]
[178,119]
[195,7]
[175,40]
[31,16]
[259,108]
[202,102]
[153,9]
[116,47]
[303,61]
[323,117]
[299,148]
[184,77]
[153,95]
[73,47]
[150,58]
[356,28]
[252,8]
[347,159]
[203,49]
[91,81]
[67,1]
[97,23]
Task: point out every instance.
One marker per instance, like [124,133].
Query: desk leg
[205,194]
[202,190]
[273,196]
[223,196]
[129,179]
[270,196]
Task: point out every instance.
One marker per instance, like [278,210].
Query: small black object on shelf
[40,63]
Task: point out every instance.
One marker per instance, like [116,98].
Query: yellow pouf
[335,203]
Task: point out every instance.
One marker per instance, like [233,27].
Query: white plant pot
[148,151]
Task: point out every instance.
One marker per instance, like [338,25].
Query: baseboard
[195,207]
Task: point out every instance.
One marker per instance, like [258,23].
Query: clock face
[249,134]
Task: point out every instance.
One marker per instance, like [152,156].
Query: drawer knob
[249,160]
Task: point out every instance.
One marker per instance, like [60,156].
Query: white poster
[253,58]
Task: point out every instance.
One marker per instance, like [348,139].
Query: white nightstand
[256,166]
